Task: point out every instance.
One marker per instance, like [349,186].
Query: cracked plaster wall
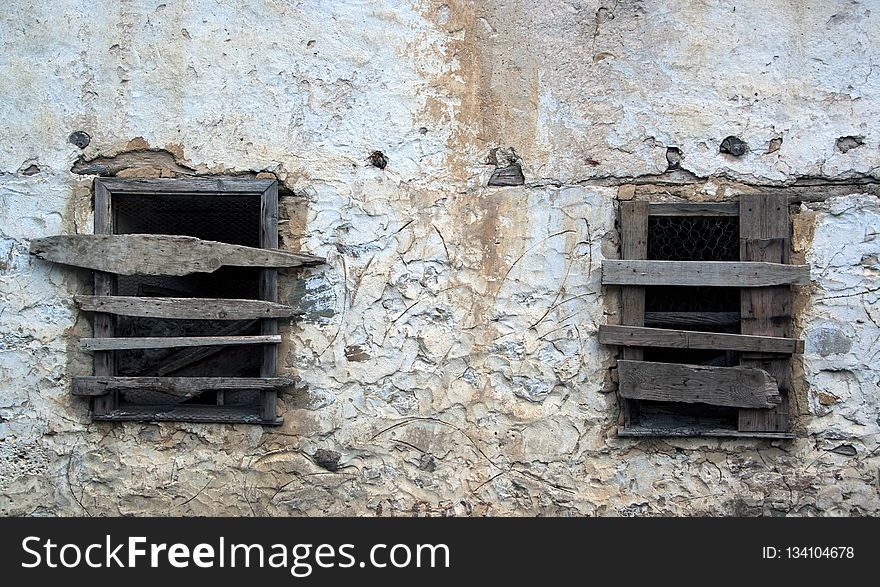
[449,361]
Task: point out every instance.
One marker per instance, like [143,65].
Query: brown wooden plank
[179,387]
[633,245]
[717,386]
[692,318]
[269,293]
[163,342]
[765,236]
[185,308]
[214,186]
[690,339]
[103,325]
[693,209]
[158,254]
[703,273]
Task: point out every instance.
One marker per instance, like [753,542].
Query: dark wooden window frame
[106,407]
[761,385]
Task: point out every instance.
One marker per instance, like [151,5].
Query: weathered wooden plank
[158,254]
[765,236]
[163,342]
[645,431]
[219,186]
[179,387]
[269,293]
[633,245]
[737,387]
[704,273]
[693,209]
[692,318]
[186,413]
[103,324]
[185,308]
[690,339]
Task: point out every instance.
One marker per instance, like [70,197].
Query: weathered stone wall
[450,359]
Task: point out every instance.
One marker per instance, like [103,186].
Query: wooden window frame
[760,386]
[106,407]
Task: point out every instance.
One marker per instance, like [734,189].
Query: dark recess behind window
[228,219]
[692,238]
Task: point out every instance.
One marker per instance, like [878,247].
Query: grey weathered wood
[162,342]
[704,273]
[693,209]
[104,284]
[179,387]
[690,339]
[158,254]
[737,387]
[185,308]
[213,186]
[765,236]
[269,293]
[692,318]
[633,245]
[186,413]
[186,357]
[646,431]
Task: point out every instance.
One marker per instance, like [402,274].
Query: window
[185,286]
[705,318]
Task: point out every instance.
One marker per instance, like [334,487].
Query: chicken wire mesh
[693,238]
[228,219]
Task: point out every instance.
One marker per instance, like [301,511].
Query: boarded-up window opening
[239,212]
[228,219]
[682,314]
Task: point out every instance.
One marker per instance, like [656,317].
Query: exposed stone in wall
[448,362]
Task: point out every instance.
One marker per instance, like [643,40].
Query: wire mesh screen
[693,238]
[229,219]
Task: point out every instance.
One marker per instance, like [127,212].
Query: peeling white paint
[478,386]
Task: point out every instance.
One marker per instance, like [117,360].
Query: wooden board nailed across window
[705,323]
[185,308]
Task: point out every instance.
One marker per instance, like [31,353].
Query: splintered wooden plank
[633,245]
[693,209]
[163,342]
[738,387]
[692,318]
[689,339]
[185,308]
[704,273]
[180,387]
[765,236]
[158,254]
